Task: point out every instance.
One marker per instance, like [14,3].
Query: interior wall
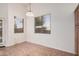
[17,10]
[62,26]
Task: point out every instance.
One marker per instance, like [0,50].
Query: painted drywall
[62,26]
[17,10]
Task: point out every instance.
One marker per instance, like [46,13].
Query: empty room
[39,29]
